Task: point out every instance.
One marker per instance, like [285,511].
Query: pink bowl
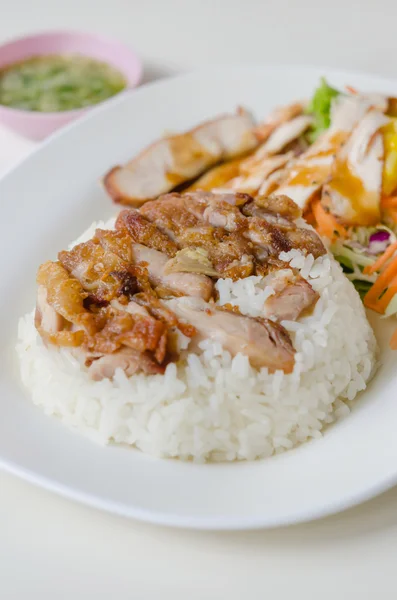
[37,125]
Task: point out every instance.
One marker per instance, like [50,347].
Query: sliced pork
[179,158]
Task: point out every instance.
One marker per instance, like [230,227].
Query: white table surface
[54,549]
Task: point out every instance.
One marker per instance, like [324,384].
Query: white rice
[214,406]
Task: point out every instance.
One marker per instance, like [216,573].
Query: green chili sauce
[56,83]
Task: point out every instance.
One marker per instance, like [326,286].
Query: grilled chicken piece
[101,264]
[222,214]
[105,331]
[260,165]
[222,210]
[253,210]
[215,223]
[280,205]
[284,135]
[282,236]
[121,328]
[377,101]
[144,232]
[273,181]
[353,194]
[269,237]
[218,210]
[191,260]
[307,174]
[131,277]
[46,316]
[173,160]
[144,324]
[127,359]
[233,257]
[280,211]
[146,305]
[277,117]
[217,176]
[131,307]
[158,309]
[265,343]
[254,171]
[82,262]
[105,267]
[116,243]
[189,284]
[181,217]
[276,234]
[306,240]
[243,175]
[293,296]
[66,296]
[170,214]
[134,335]
[196,202]
[52,327]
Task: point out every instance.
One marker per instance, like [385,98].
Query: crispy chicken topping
[123,297]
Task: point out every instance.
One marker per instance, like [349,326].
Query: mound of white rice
[214,406]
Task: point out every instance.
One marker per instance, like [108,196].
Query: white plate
[53,196]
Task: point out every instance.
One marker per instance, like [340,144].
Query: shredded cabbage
[358,252]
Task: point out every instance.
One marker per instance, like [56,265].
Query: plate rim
[197,523]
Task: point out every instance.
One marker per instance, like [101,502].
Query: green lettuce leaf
[320,107]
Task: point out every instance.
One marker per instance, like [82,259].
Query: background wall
[181,34]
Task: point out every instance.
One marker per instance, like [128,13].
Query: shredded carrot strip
[327,225]
[388,295]
[371,299]
[389,202]
[382,260]
[389,207]
[385,287]
[309,217]
[392,214]
[380,305]
[351,89]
